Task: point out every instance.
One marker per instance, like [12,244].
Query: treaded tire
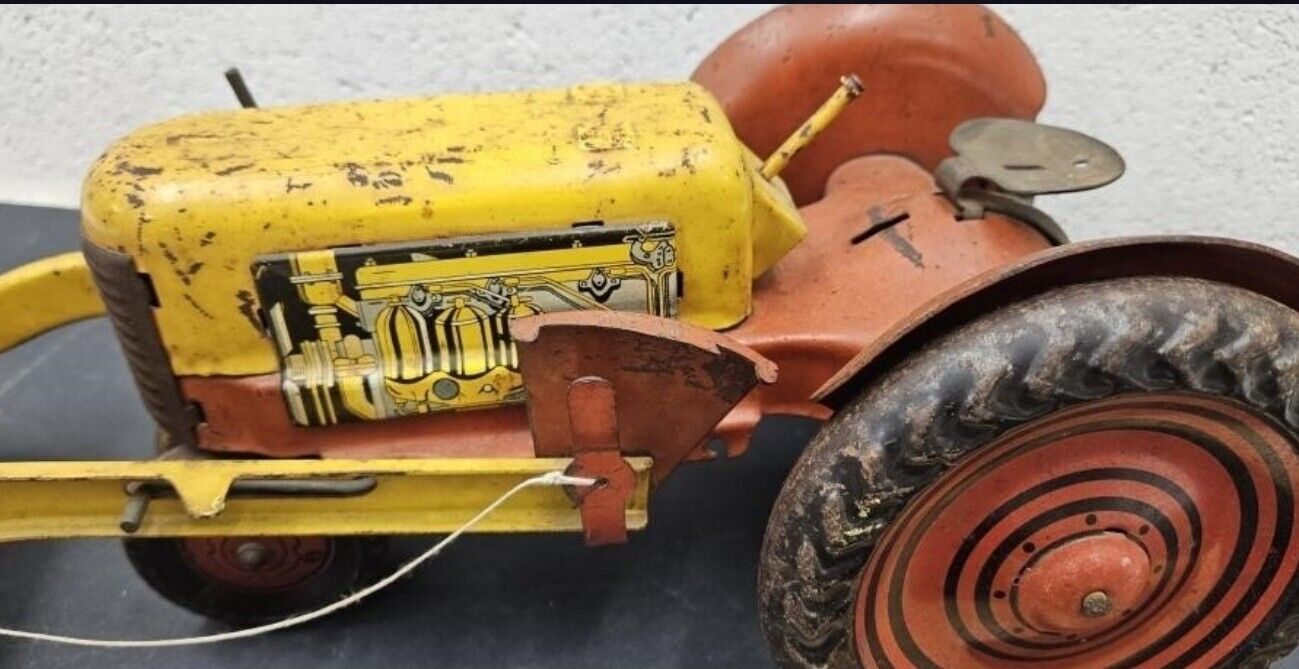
[1008,368]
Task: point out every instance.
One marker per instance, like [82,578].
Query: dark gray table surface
[680,594]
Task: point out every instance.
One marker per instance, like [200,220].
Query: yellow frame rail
[53,500]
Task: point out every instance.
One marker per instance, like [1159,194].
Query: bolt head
[251,554]
[1097,603]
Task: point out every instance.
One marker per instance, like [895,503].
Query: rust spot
[395,199]
[356,175]
[730,376]
[599,168]
[166,253]
[134,200]
[439,176]
[248,307]
[173,140]
[196,306]
[289,186]
[448,159]
[232,169]
[387,179]
[125,167]
[687,161]
[207,238]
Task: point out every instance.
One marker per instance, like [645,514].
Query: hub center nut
[1079,587]
[1097,604]
[251,554]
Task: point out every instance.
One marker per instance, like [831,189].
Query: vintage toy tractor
[364,319]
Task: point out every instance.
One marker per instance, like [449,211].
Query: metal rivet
[251,554]
[1097,604]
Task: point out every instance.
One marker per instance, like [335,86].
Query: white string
[555,478]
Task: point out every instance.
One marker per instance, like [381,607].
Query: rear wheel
[251,580]
[1101,476]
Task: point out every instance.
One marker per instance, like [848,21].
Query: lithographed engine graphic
[374,332]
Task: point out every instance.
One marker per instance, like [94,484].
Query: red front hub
[258,563]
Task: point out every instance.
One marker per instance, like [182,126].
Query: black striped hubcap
[1142,530]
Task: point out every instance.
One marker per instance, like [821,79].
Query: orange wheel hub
[258,563]
[1143,530]
[1083,585]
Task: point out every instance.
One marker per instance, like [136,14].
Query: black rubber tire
[354,562]
[1003,370]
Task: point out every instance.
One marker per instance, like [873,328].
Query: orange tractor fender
[924,68]
[1254,267]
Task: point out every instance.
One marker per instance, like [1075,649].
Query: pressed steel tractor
[364,319]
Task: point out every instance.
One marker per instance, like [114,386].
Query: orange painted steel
[593,418]
[1142,530]
[826,302]
[674,381]
[925,68]
[837,292]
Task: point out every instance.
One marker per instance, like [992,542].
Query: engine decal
[375,332]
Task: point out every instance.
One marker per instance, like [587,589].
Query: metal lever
[849,88]
[1001,164]
[143,492]
[240,88]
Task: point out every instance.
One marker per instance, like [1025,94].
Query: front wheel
[1101,476]
[252,580]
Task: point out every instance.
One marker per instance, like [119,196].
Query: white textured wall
[1203,101]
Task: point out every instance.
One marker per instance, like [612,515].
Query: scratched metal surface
[679,595]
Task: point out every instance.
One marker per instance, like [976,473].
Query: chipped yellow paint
[45,294]
[195,199]
[849,88]
[47,500]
